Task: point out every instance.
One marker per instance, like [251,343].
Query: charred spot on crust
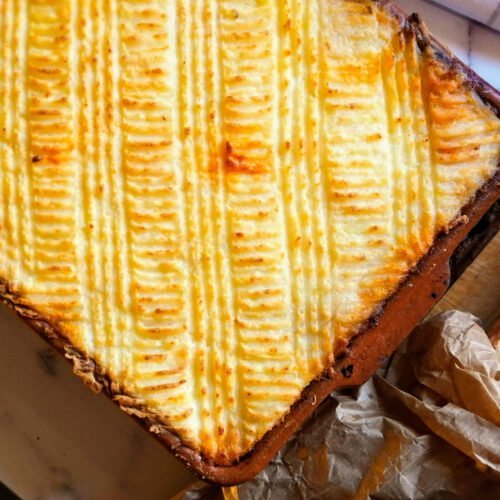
[347,371]
[236,162]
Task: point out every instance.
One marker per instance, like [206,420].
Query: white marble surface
[485,11]
[60,441]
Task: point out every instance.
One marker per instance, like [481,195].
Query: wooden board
[478,289]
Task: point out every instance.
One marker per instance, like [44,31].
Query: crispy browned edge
[355,362]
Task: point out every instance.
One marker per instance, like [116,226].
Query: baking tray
[394,319]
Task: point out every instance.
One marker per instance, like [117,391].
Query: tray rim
[355,362]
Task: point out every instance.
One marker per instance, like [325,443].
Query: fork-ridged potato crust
[207,196]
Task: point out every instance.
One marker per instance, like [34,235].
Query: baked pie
[204,201]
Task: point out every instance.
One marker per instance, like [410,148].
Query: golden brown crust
[376,340]
[426,40]
[357,360]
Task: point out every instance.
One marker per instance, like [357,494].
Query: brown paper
[427,429]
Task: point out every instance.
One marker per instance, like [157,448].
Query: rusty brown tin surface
[381,335]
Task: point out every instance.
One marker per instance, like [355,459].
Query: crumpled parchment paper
[427,428]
